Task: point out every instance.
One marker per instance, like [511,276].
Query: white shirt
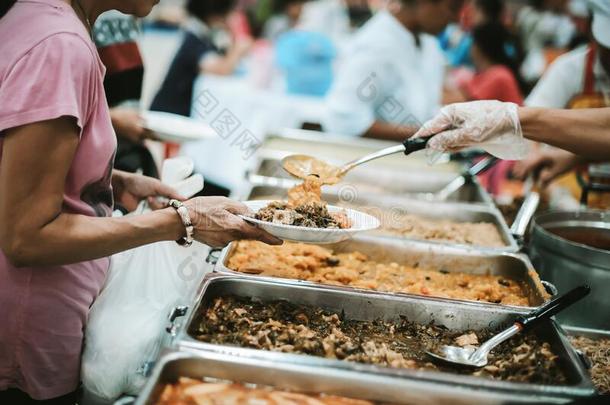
[564,79]
[329,17]
[385,77]
[539,29]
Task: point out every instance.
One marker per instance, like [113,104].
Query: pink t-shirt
[495,83]
[49,68]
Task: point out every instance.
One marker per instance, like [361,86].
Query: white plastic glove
[490,125]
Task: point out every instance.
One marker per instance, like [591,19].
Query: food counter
[350,322]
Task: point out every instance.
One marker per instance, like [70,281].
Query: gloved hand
[490,125]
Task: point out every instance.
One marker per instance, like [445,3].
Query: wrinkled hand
[129,124]
[490,125]
[129,189]
[216,222]
[546,166]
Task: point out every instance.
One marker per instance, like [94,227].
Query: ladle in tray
[477,358]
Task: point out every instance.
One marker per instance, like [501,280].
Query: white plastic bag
[126,326]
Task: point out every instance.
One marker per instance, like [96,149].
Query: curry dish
[319,264]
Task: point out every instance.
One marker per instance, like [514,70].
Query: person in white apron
[578,79]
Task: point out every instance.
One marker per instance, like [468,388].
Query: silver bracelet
[183,212]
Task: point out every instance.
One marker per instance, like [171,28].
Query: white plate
[176,128]
[360,222]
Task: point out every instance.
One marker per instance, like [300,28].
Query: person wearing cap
[392,74]
[578,79]
[545,28]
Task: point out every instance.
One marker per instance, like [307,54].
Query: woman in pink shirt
[56,193]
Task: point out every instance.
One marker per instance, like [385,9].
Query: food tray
[593,334]
[361,306]
[435,256]
[586,332]
[386,207]
[415,183]
[300,378]
[343,149]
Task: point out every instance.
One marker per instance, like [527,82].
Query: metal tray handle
[125,401]
[525,215]
[550,288]
[584,359]
[175,313]
[213,256]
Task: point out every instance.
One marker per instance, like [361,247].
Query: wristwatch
[183,212]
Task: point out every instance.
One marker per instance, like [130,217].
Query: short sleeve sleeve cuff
[55,78]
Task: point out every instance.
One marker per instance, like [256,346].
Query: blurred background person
[392,75]
[336,19]
[496,77]
[546,30]
[169,13]
[286,16]
[577,79]
[456,39]
[494,56]
[115,35]
[201,51]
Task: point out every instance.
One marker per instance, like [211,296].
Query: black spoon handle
[553,307]
[414,145]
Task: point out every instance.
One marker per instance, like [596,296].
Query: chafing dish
[413,182]
[598,353]
[361,306]
[389,208]
[300,378]
[342,149]
[434,256]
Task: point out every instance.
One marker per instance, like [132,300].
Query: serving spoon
[303,166]
[477,358]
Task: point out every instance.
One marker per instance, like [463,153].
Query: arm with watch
[36,231]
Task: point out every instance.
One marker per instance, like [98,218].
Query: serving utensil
[526,212]
[302,166]
[477,358]
[461,180]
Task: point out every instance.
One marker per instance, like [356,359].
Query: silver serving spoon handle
[409,146]
[469,357]
[302,166]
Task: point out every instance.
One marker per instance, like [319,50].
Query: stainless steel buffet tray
[389,208]
[357,305]
[415,183]
[439,257]
[342,149]
[282,376]
[300,378]
[586,332]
